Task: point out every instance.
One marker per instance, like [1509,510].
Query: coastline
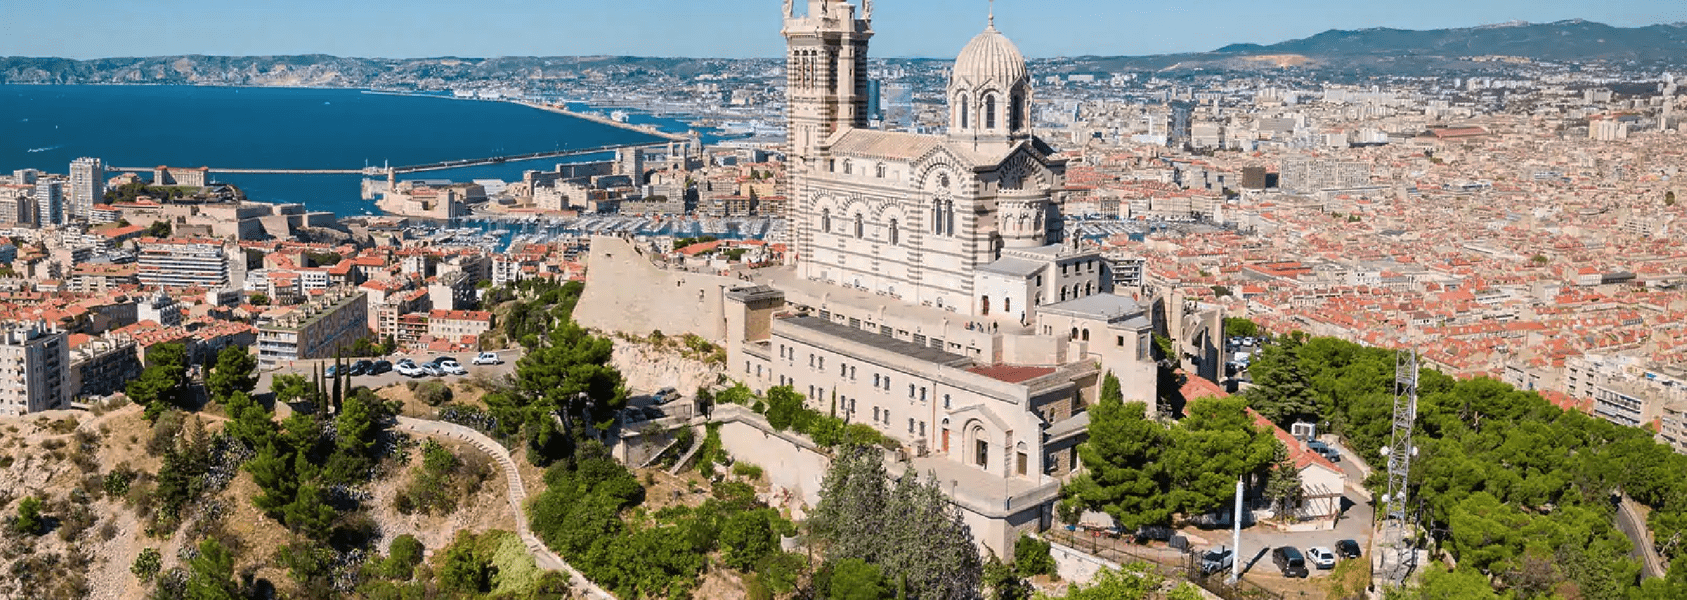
[553,108]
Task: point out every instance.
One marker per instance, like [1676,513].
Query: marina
[506,233]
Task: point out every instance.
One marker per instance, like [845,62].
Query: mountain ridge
[1377,49]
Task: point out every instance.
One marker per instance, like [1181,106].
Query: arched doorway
[986,306]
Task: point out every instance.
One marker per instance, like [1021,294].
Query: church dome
[990,58]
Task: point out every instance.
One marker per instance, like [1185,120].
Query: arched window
[937,218]
[1074,333]
[965,121]
[1062,294]
[986,306]
[879,171]
[895,233]
[826,220]
[1086,335]
[949,218]
[860,227]
[990,111]
[1007,305]
[1016,112]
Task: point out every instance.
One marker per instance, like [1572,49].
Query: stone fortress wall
[628,294]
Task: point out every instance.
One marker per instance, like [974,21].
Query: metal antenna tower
[1398,556]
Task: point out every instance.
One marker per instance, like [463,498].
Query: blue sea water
[46,127]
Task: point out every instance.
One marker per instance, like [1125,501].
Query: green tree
[1282,486]
[147,564]
[1110,389]
[236,370]
[854,579]
[158,229]
[1282,390]
[290,388]
[258,299]
[784,407]
[1462,584]
[1123,474]
[748,537]
[1240,327]
[911,530]
[1216,444]
[29,517]
[1004,582]
[1031,557]
[309,513]
[465,572]
[211,573]
[250,423]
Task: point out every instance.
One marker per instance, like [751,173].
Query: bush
[29,517]
[147,564]
[433,393]
[747,471]
[1031,557]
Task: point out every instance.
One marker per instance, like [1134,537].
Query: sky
[85,29]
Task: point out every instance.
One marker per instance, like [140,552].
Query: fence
[1168,562]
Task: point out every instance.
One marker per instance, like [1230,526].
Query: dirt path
[517,495]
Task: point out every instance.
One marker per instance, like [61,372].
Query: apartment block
[184,263]
[317,329]
[33,362]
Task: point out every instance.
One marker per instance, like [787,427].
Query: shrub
[146,565]
[433,393]
[747,470]
[29,517]
[1031,557]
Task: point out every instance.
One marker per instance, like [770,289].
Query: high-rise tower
[87,187]
[826,73]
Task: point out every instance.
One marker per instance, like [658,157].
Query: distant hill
[1390,51]
[1408,52]
[1574,40]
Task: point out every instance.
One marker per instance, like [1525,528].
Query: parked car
[409,368]
[1290,561]
[362,367]
[1324,450]
[666,394]
[431,370]
[488,358]
[380,366]
[451,367]
[1321,557]
[1217,561]
[1347,549]
[332,370]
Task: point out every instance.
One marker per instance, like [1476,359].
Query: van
[1290,561]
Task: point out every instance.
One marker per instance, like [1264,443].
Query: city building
[87,187]
[163,175]
[103,365]
[327,325]
[33,362]
[49,202]
[159,308]
[454,325]
[183,263]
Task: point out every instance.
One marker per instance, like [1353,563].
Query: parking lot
[308,368]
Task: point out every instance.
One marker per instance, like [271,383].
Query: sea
[46,127]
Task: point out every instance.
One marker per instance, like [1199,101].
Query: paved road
[517,495]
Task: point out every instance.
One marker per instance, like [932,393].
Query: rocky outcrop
[648,368]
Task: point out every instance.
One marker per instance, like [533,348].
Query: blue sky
[728,28]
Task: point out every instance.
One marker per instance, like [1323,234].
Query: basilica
[933,293]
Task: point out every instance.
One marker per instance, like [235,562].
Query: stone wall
[626,293]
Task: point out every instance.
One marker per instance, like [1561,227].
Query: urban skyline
[929,29]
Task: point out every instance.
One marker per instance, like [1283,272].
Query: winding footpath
[517,495]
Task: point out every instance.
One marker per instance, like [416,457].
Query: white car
[1321,557]
[452,367]
[408,368]
[488,358]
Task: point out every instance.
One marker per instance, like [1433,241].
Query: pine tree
[1282,391]
[1282,487]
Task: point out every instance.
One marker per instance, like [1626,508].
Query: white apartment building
[33,369]
[184,263]
[87,187]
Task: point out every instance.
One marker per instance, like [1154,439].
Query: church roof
[991,58]
[887,145]
[1013,267]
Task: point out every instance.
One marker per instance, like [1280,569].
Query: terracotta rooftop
[1012,374]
